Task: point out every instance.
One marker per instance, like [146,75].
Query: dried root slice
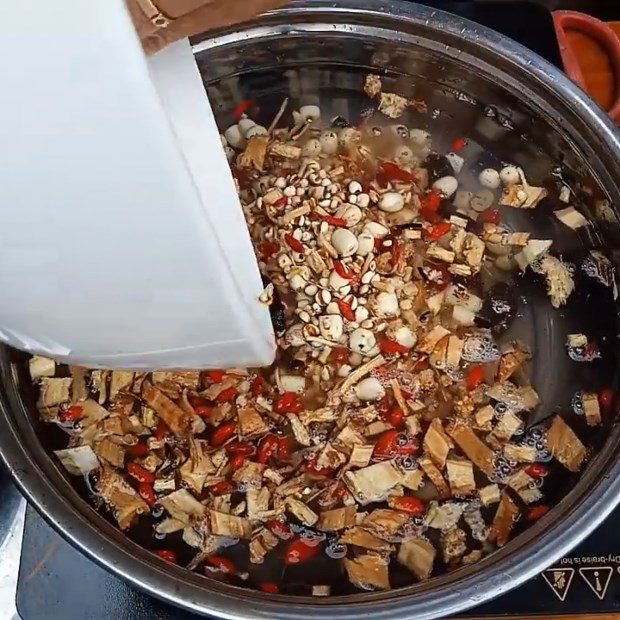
[255,153]
[368,572]
[41,367]
[571,217]
[592,409]
[222,524]
[126,504]
[437,444]
[565,446]
[418,555]
[434,475]
[385,523]
[179,422]
[503,522]
[461,477]
[336,519]
[453,545]
[372,483]
[359,537]
[474,448]
[261,544]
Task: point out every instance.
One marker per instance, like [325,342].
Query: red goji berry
[224,487]
[533,513]
[161,431]
[430,205]
[168,555]
[298,552]
[389,171]
[285,448]
[490,216]
[241,108]
[288,402]
[146,492]
[269,587]
[71,414]
[215,376]
[257,387]
[138,450]
[606,399]
[295,244]
[312,469]
[139,473]
[346,310]
[341,270]
[335,221]
[536,470]
[237,461]
[203,411]
[268,249]
[267,448]
[391,347]
[240,447]
[391,443]
[339,355]
[223,433]
[222,564]
[227,395]
[475,376]
[459,144]
[411,505]
[279,529]
[439,230]
[396,417]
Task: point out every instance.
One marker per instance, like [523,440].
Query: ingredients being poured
[390,441]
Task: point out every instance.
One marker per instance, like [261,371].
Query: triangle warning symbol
[559,580]
[598,578]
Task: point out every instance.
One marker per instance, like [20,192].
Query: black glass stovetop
[56,582]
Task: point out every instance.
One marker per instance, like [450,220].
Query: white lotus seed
[391,202]
[329,142]
[365,243]
[369,389]
[446,186]
[404,156]
[344,242]
[256,131]
[456,161]
[312,148]
[352,215]
[376,229]
[362,340]
[406,337]
[331,326]
[245,124]
[235,137]
[355,187]
[337,282]
[310,113]
[386,305]
[509,175]
[420,138]
[363,200]
[489,178]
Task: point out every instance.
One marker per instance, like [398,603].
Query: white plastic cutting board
[122,239]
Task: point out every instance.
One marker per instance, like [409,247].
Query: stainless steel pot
[519,108]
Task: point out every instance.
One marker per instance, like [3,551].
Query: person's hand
[160,22]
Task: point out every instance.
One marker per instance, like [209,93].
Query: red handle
[602,34]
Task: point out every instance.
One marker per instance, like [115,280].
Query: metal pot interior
[517,109]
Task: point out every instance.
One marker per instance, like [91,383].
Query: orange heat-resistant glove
[160,22]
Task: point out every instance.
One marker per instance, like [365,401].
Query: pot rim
[580,512]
